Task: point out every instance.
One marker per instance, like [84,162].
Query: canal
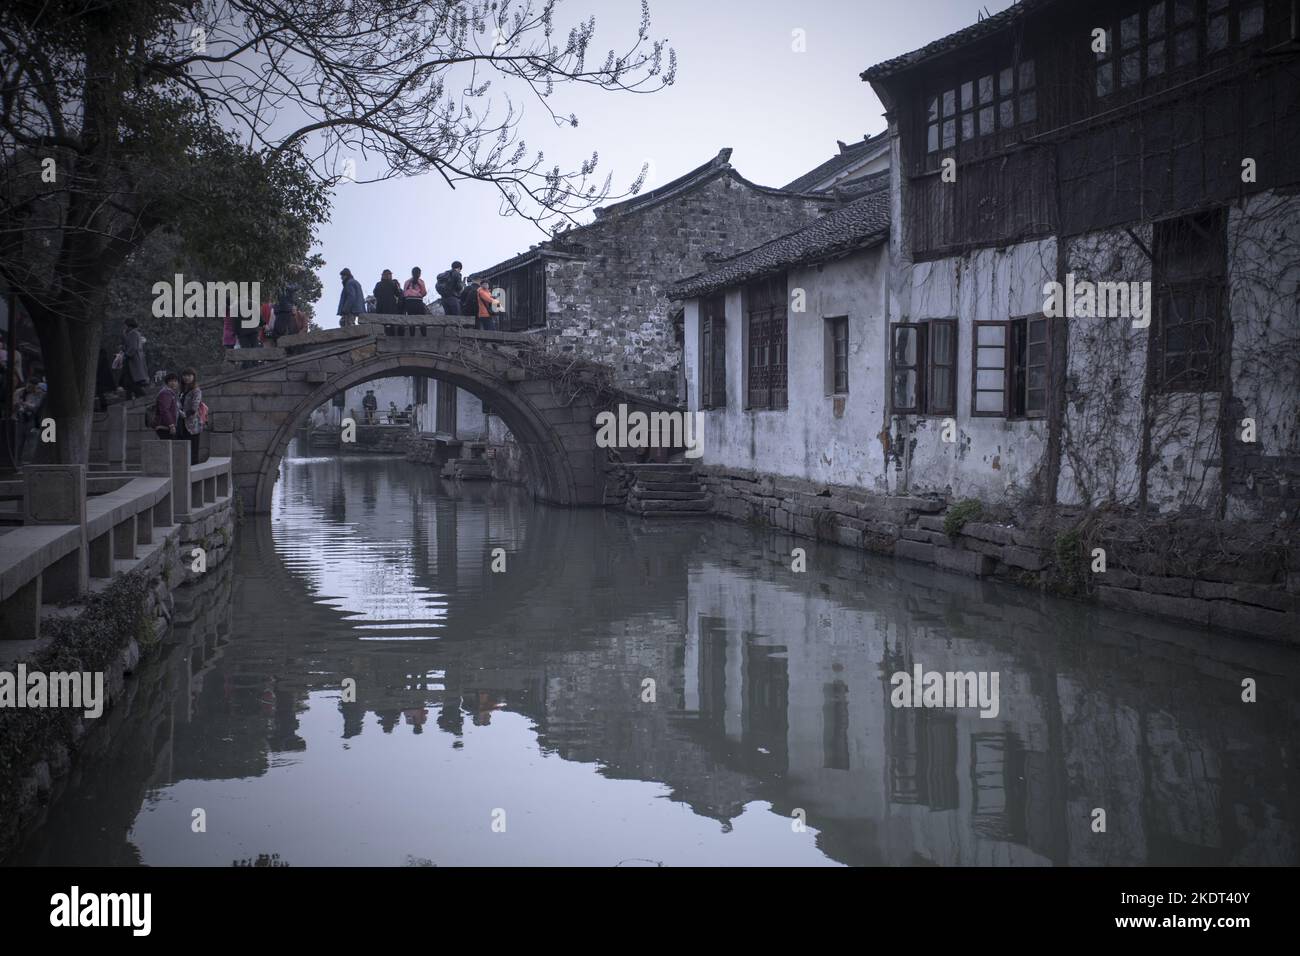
[360,686]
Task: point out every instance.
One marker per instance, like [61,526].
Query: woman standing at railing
[413,293]
[193,413]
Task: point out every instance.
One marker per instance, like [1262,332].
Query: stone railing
[80,530]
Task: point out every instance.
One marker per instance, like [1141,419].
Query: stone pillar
[156,457]
[116,436]
[100,560]
[124,540]
[56,494]
[180,451]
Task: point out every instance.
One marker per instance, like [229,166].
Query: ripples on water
[518,697]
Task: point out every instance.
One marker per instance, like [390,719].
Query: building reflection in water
[525,689]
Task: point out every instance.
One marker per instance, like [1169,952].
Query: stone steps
[667,490]
[655,507]
[468,469]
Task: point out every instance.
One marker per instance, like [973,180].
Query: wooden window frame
[925,367]
[918,368]
[931,365]
[713,351]
[1015,365]
[1168,32]
[976,368]
[1197,281]
[1023,89]
[1029,365]
[831,324]
[767,327]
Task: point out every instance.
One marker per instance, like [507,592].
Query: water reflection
[484,696]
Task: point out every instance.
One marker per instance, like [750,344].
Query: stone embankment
[1229,576]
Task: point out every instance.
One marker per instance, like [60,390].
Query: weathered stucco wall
[1264,272]
[819,437]
[1102,434]
[992,458]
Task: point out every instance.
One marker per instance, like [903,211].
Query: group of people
[457,296]
[179,412]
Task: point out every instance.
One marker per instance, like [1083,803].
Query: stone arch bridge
[548,403]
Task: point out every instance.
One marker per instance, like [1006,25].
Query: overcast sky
[740,83]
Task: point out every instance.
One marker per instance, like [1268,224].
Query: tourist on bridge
[352,300]
[193,413]
[135,373]
[413,292]
[388,295]
[167,407]
[449,285]
[282,314]
[486,304]
[469,299]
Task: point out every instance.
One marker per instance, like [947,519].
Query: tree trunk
[70,346]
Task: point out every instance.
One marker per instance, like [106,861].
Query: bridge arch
[552,474]
[260,407]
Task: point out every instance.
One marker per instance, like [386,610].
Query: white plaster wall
[399,390]
[471,423]
[992,458]
[808,439]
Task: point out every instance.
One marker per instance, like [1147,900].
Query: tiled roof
[952,41]
[846,157]
[860,223]
[568,241]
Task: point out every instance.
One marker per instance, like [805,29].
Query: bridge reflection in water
[522,691]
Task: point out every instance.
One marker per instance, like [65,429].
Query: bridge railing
[78,528]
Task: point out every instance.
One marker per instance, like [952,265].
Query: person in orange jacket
[485,307]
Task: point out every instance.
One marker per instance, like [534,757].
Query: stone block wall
[611,305]
[1230,576]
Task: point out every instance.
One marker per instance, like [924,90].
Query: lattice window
[713,352]
[981,105]
[767,329]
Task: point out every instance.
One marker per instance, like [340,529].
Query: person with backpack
[193,413]
[166,407]
[449,285]
[388,295]
[469,298]
[413,293]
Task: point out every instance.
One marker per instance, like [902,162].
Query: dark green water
[515,699]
